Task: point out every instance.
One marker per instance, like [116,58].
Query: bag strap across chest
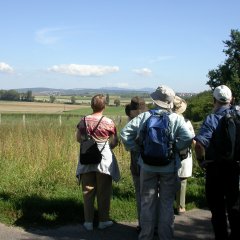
[85,125]
[95,128]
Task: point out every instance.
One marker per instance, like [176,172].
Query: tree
[27,97]
[30,97]
[52,99]
[10,95]
[228,73]
[117,102]
[107,99]
[73,99]
[199,106]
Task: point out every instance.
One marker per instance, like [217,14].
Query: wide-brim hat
[163,97]
[179,105]
[137,106]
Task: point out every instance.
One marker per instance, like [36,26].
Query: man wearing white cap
[222,180]
[158,184]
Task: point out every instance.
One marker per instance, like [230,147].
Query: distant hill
[91,91]
[80,91]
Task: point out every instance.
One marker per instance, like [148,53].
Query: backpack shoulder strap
[154,112]
[85,125]
[97,124]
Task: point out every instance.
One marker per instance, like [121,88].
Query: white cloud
[47,36]
[4,67]
[84,70]
[143,72]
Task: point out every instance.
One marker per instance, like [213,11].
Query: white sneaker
[106,224]
[88,226]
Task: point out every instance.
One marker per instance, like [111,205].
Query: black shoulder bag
[89,152]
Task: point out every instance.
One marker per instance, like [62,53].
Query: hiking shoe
[88,226]
[106,224]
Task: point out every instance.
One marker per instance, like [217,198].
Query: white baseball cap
[223,94]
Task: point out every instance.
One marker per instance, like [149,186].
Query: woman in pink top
[97,179]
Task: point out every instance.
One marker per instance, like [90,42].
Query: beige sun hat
[163,97]
[179,105]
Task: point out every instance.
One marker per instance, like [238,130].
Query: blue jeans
[157,197]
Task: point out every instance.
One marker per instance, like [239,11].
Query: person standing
[97,179]
[185,171]
[222,180]
[158,184]
[133,109]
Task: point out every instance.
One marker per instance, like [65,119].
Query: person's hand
[204,163]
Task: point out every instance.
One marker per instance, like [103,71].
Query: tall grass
[38,184]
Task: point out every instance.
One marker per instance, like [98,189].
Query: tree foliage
[27,97]
[107,99]
[117,102]
[228,73]
[52,99]
[9,95]
[199,106]
[73,100]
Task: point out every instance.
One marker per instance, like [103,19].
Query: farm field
[11,109]
[35,107]
[87,99]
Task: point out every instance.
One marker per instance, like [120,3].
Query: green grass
[109,111]
[38,184]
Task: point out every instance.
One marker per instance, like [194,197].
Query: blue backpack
[157,145]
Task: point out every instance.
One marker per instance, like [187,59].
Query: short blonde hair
[98,102]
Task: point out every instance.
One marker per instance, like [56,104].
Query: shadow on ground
[193,225]
[37,211]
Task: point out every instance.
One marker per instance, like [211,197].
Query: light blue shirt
[131,135]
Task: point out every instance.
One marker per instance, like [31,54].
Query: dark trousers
[222,193]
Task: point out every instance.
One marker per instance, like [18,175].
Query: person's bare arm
[113,141]
[200,153]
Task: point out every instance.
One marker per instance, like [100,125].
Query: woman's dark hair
[98,103]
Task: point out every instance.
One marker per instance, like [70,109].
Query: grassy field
[37,166]
[87,99]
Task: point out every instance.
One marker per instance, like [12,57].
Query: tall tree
[29,96]
[107,99]
[117,102]
[73,99]
[52,99]
[228,73]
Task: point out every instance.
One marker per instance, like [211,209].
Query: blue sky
[113,43]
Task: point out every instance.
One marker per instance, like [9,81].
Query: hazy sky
[113,43]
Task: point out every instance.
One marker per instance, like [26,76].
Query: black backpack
[89,152]
[227,138]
